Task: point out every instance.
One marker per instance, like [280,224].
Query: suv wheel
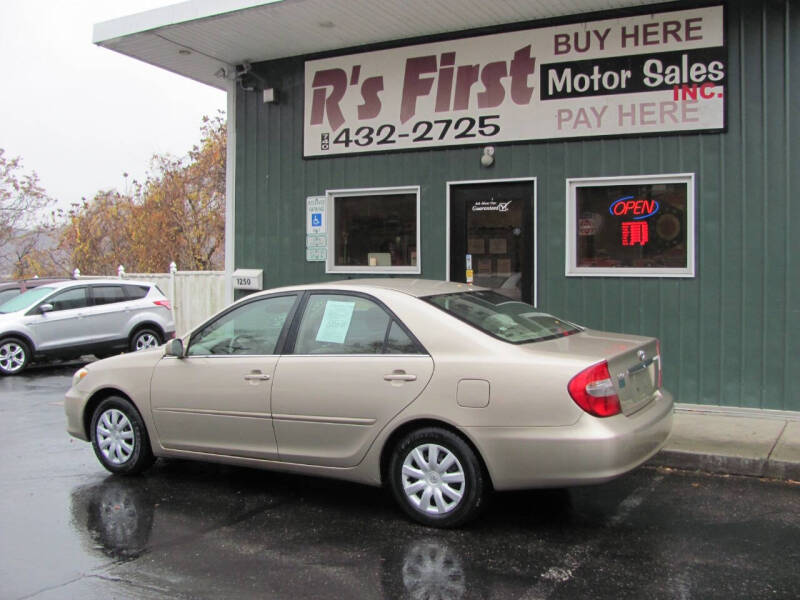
[144,339]
[14,356]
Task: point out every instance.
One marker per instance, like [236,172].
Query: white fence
[194,295]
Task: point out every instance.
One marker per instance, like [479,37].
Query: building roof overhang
[205,39]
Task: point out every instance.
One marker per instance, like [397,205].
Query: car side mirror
[45,308]
[174,348]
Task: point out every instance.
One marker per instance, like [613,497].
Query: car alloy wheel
[13,356]
[119,437]
[436,478]
[144,339]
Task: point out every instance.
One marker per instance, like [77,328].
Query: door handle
[256,376]
[399,376]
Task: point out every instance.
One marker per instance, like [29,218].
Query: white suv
[72,318]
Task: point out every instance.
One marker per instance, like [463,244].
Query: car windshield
[25,299]
[499,316]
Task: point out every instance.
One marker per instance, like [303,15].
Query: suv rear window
[136,291]
[503,318]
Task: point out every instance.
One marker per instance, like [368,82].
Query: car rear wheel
[119,437]
[14,356]
[437,478]
[144,339]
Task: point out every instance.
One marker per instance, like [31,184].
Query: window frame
[330,211]
[571,268]
[288,348]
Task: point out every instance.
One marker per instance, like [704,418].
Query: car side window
[249,329]
[343,324]
[135,292]
[398,341]
[69,299]
[108,294]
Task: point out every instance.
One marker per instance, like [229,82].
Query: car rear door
[352,366]
[106,315]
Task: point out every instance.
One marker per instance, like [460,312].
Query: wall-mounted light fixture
[487,158]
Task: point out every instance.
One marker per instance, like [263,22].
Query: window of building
[374,231]
[640,226]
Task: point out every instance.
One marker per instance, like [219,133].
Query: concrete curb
[729,465]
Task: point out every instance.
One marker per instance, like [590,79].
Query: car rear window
[136,291]
[503,318]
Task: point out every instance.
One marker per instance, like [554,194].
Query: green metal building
[625,165]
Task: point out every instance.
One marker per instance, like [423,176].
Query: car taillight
[164,303]
[593,390]
[660,363]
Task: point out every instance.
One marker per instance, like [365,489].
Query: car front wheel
[119,437]
[144,339]
[14,356]
[437,478]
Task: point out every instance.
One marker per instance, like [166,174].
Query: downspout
[230,193]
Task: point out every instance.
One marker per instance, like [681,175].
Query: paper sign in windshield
[335,321]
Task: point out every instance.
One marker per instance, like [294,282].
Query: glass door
[492,236]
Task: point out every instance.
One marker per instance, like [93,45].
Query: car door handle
[399,376]
[256,377]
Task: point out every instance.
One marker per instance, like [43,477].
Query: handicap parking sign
[316,219]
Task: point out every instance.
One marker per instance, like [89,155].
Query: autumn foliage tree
[22,199]
[177,214]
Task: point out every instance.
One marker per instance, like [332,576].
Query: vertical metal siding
[730,336]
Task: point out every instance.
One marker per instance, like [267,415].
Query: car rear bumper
[593,450]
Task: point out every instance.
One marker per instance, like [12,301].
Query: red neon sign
[635,233]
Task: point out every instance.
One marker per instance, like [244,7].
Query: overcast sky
[80,115]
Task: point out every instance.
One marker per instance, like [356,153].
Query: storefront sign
[635,75]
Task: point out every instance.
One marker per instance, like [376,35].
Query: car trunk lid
[633,361]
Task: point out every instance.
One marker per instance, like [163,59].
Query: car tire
[437,479]
[119,437]
[144,339]
[14,356]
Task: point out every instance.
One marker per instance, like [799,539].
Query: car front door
[216,398]
[353,367]
[63,326]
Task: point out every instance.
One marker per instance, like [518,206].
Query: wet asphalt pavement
[192,530]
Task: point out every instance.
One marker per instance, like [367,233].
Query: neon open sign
[640,209]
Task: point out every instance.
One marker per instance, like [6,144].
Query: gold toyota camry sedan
[440,391]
